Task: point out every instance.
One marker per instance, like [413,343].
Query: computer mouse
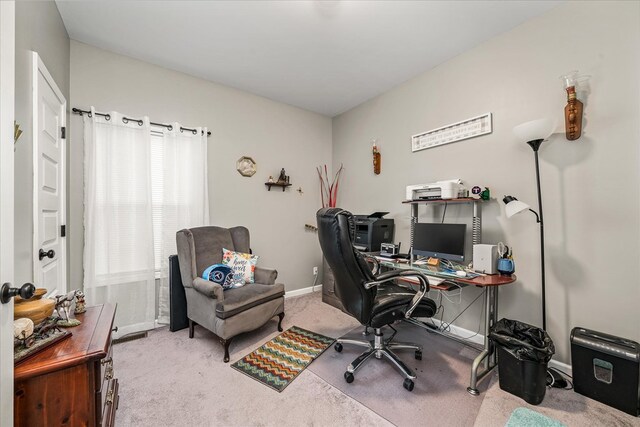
[461,273]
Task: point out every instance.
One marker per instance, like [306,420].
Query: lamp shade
[534,130]
[514,206]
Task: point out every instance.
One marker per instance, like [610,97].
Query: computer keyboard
[437,271]
[434,281]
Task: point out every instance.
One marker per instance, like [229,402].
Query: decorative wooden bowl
[36,308]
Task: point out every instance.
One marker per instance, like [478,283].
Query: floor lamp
[533,133]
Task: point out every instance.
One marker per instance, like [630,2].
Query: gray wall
[39,28]
[590,186]
[274,134]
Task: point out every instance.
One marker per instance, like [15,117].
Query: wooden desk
[489,284]
[71,382]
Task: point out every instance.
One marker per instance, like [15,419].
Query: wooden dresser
[72,382]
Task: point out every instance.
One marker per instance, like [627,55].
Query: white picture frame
[459,131]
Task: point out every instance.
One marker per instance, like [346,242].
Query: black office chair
[374,300]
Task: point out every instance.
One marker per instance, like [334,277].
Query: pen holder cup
[506,266]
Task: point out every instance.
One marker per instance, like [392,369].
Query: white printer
[449,189]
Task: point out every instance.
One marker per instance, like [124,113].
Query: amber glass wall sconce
[376,157]
[573,109]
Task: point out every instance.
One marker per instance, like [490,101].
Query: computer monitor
[445,241]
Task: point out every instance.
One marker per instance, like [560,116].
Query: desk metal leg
[414,221]
[488,355]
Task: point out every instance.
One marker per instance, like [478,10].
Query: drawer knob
[115,329]
[106,360]
[109,373]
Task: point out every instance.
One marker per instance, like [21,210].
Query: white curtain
[142,185]
[118,250]
[184,196]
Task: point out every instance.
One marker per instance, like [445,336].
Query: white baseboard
[132,329]
[161,323]
[459,332]
[561,366]
[298,292]
[479,339]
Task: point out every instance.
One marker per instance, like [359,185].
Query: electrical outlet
[315,271]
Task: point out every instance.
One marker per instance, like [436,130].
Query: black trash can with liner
[523,353]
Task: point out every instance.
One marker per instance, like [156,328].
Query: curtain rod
[128,119]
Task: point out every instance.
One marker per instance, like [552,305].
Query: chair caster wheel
[338,347]
[418,355]
[348,376]
[408,384]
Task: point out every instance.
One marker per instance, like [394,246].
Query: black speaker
[607,369]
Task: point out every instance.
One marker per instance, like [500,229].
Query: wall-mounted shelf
[277,184]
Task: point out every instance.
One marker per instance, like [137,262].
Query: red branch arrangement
[329,193]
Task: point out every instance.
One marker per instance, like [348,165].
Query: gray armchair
[234,311]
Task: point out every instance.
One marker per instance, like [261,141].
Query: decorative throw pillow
[243,265]
[222,275]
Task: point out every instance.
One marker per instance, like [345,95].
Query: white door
[7,58]
[49,244]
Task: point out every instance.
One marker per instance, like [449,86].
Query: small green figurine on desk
[478,193]
[485,195]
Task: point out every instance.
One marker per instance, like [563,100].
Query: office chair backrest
[336,229]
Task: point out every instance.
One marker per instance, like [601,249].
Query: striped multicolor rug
[281,360]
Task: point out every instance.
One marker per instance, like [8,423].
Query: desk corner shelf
[277,184]
[460,200]
[476,218]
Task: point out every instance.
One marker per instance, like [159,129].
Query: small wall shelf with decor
[284,185]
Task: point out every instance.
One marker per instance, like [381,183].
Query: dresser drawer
[110,404]
[105,387]
[104,369]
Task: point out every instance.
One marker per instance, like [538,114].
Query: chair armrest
[374,261]
[265,276]
[394,274]
[208,289]
[424,285]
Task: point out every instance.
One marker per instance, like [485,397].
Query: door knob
[26,291]
[49,254]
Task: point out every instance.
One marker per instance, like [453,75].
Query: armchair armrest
[265,276]
[208,289]
[424,285]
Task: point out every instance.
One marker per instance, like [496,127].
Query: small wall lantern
[376,157]
[573,109]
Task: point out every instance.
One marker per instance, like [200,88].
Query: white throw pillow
[243,265]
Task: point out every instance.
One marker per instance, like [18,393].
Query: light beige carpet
[570,408]
[168,379]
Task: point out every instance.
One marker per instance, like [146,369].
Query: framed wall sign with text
[475,126]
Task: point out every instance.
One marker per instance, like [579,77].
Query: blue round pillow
[220,274]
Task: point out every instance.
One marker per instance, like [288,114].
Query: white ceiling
[324,56]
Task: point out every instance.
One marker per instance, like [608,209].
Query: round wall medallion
[246,166]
